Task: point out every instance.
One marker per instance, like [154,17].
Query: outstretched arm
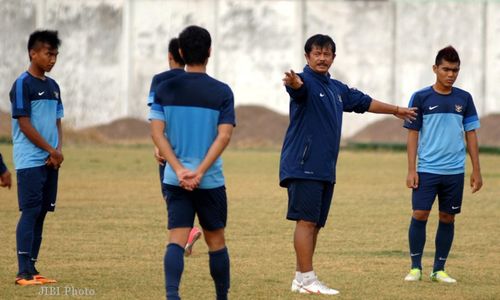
[379,107]
[55,158]
[165,150]
[476,180]
[411,148]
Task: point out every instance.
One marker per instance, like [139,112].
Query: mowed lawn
[107,236]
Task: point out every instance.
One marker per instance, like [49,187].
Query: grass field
[108,233]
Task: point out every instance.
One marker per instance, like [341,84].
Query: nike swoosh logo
[415,254]
[440,258]
[52,204]
[41,93]
[21,253]
[433,107]
[455,207]
[321,95]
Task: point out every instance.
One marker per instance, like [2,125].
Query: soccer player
[437,138]
[176,65]
[5,177]
[37,137]
[310,150]
[192,119]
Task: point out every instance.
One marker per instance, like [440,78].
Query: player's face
[320,59]
[44,57]
[446,73]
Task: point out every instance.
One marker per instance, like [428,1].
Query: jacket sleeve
[3,167]
[300,94]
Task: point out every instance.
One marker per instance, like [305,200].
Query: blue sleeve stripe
[151,98]
[470,119]
[19,91]
[472,125]
[411,100]
[157,107]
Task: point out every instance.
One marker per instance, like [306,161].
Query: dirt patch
[390,130]
[256,127]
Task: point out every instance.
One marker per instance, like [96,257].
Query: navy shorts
[37,187]
[448,188]
[309,200]
[209,204]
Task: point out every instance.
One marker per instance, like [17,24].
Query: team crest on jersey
[56,94]
[458,108]
[340,98]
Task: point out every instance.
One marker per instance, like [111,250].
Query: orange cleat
[43,279]
[25,282]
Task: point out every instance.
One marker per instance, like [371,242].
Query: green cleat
[414,275]
[441,276]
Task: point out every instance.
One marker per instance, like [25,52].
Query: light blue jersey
[40,100]
[441,122]
[193,105]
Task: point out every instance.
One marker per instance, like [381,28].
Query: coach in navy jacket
[311,147]
[312,140]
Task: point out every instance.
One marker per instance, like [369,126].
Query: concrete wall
[111,48]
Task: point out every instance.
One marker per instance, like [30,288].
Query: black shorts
[448,188]
[309,200]
[36,187]
[209,204]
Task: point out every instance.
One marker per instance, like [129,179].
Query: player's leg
[422,199]
[180,221]
[211,207]
[308,204]
[450,201]
[30,189]
[48,204]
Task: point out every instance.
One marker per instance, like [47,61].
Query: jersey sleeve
[19,98]
[156,112]
[151,95]
[227,115]
[60,106]
[355,100]
[470,120]
[417,123]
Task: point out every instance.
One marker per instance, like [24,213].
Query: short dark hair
[173,48]
[449,54]
[44,36]
[195,42]
[319,40]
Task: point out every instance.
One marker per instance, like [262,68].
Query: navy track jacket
[312,141]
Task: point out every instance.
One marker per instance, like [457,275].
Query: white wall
[111,48]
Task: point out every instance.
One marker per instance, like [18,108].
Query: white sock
[308,277]
[298,276]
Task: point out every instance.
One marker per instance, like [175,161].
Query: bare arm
[404,113]
[55,156]
[220,143]
[166,151]
[476,180]
[411,148]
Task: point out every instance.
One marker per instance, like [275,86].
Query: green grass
[108,233]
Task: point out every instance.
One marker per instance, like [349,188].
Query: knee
[215,239]
[446,218]
[421,215]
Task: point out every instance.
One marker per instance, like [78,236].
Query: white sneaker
[442,276]
[296,286]
[317,287]
[415,274]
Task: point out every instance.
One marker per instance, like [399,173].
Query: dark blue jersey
[159,78]
[193,105]
[312,141]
